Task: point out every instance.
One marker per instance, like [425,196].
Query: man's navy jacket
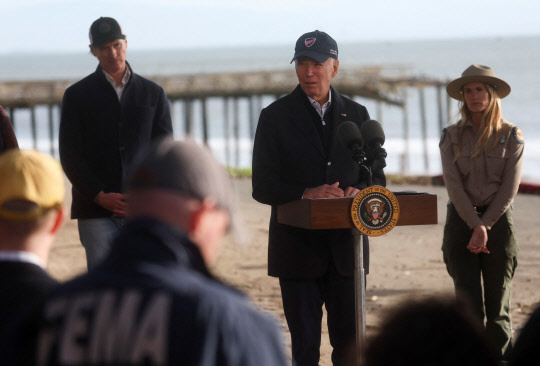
[100,137]
[153,302]
[288,158]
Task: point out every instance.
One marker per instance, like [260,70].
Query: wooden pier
[370,83]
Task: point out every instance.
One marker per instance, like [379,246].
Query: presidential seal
[375,211]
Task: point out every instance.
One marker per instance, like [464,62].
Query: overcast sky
[62,25]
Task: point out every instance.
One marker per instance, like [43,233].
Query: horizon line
[279,45]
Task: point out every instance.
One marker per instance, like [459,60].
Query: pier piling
[242,97]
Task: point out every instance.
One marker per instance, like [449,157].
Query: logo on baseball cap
[309,41]
[316,45]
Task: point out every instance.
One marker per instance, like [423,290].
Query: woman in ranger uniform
[482,155]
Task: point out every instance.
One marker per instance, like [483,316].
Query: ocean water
[515,60]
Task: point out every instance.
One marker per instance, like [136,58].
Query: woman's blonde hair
[490,128]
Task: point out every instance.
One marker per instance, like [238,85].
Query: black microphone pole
[375,159]
[352,139]
[365,169]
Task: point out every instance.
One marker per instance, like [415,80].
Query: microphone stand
[359,270]
[359,157]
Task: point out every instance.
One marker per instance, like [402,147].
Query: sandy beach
[405,263]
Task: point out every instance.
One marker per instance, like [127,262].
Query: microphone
[374,136]
[351,138]
[373,133]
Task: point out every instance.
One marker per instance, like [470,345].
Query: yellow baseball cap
[31,183]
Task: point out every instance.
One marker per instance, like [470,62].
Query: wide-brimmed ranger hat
[32,183]
[477,74]
[316,45]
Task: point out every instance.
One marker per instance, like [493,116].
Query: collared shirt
[21,256]
[119,89]
[489,180]
[321,110]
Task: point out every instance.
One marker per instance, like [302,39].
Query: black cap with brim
[319,57]
[316,45]
[104,30]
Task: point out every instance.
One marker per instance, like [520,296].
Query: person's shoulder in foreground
[31,212]
[526,350]
[153,299]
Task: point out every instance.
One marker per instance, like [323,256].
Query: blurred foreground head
[525,350]
[31,200]
[437,331]
[181,184]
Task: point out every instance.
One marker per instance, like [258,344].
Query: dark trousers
[485,279]
[302,304]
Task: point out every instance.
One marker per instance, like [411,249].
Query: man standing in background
[106,119]
[297,155]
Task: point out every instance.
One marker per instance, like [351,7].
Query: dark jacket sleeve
[72,156]
[243,336]
[162,125]
[268,185]
[254,340]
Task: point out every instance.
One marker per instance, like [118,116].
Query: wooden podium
[335,213]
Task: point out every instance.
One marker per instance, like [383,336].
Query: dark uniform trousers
[495,269]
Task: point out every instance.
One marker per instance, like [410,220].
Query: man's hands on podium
[329,191]
[114,202]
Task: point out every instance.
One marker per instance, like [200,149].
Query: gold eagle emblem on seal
[375,211]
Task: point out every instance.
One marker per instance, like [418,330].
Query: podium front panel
[335,213]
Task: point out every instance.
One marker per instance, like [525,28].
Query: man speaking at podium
[297,155]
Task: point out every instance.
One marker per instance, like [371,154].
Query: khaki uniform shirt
[490,180]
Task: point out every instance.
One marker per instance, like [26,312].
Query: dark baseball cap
[104,30]
[316,45]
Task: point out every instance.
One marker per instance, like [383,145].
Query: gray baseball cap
[187,168]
